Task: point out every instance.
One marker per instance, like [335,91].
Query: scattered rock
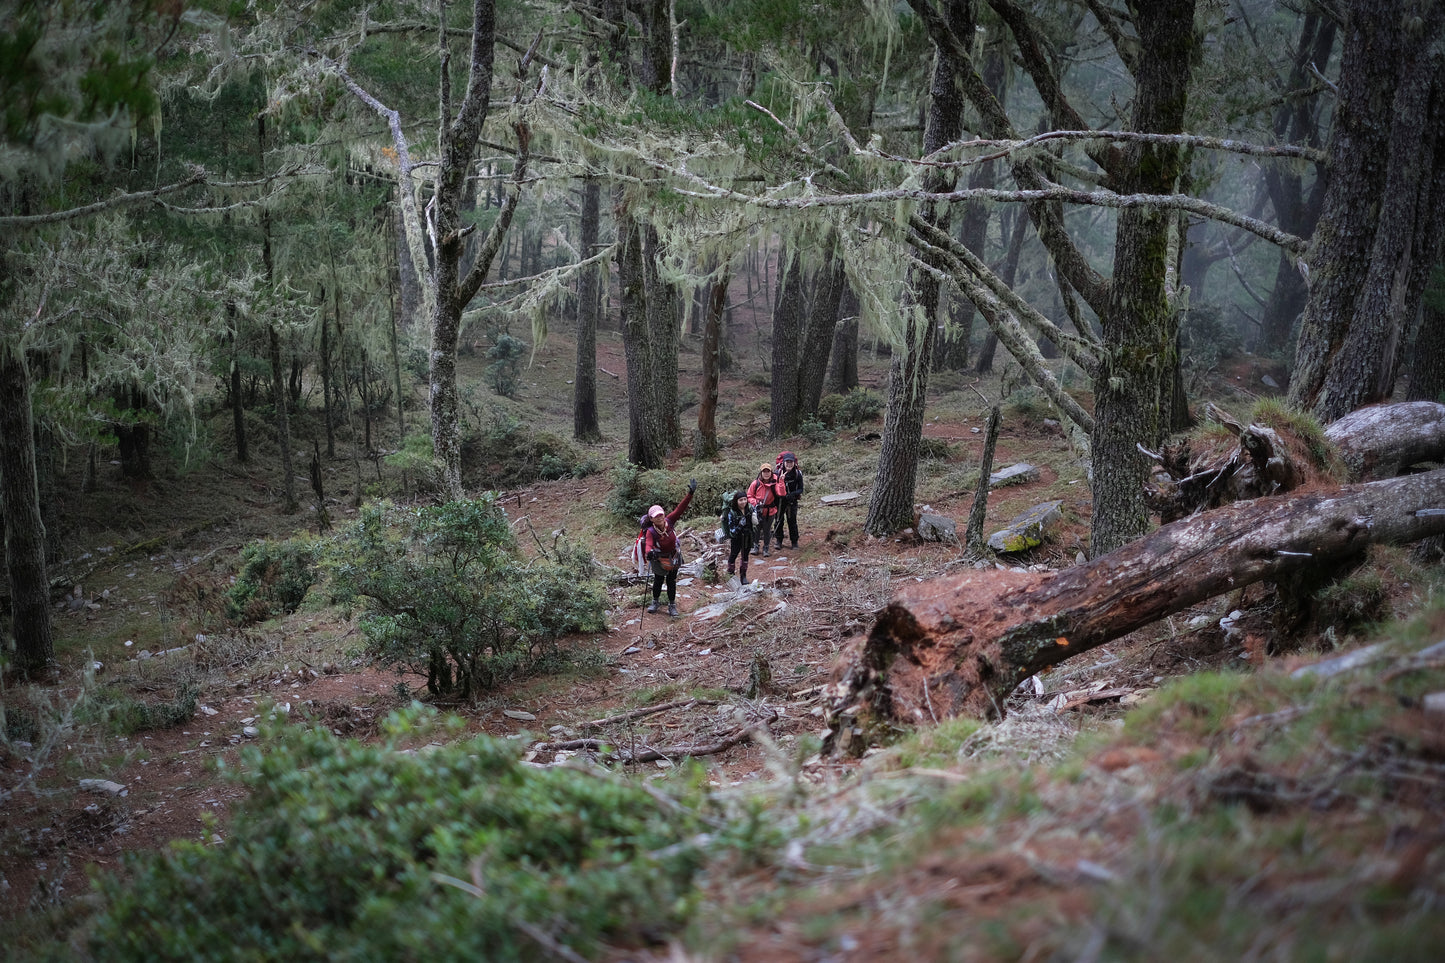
[250,732]
[102,786]
[1434,702]
[1019,474]
[1027,530]
[838,498]
[937,528]
[519,715]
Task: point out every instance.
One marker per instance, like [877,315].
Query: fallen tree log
[1383,440]
[959,645]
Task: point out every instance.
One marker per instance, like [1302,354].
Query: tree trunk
[325,364]
[787,339]
[664,322]
[589,287]
[843,358]
[1427,369]
[644,446]
[711,362]
[1134,388]
[1364,370]
[238,407]
[960,644]
[891,506]
[818,335]
[1331,377]
[24,529]
[1010,271]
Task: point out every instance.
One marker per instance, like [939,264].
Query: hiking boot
[730,570]
[653,606]
[764,553]
[671,609]
[743,580]
[795,544]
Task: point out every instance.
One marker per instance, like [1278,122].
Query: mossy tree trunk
[1134,390]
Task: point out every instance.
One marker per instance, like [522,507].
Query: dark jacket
[793,483]
[735,522]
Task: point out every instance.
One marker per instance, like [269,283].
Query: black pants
[740,544]
[661,576]
[765,530]
[788,512]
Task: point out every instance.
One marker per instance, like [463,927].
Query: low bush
[126,715]
[274,579]
[447,594]
[506,454]
[850,410]
[347,851]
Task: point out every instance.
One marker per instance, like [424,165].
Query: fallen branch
[612,753]
[960,644]
[647,711]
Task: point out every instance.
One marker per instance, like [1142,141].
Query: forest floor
[151,561]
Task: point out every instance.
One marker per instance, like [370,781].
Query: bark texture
[1134,387]
[959,645]
[585,426]
[1384,440]
[20,510]
[891,506]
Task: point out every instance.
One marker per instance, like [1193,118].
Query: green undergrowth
[343,850]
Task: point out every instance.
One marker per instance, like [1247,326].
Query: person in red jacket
[661,548]
[763,496]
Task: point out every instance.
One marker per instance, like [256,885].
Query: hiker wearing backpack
[737,525]
[790,481]
[763,496]
[661,547]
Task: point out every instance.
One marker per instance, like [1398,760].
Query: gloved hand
[691,485]
[653,555]
[755,518]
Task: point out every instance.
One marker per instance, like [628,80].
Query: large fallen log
[1383,440]
[960,644]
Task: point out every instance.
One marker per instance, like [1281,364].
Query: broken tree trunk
[959,645]
[1383,440]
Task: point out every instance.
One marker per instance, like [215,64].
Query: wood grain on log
[960,644]
[1382,440]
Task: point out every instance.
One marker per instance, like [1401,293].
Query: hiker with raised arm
[663,551]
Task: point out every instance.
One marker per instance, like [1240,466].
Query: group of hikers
[752,518]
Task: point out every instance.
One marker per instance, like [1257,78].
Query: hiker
[763,496]
[663,551]
[737,525]
[790,476]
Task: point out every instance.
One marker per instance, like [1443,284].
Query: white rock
[519,715]
[102,786]
[250,732]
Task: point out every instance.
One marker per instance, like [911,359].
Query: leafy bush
[447,594]
[814,430]
[347,851]
[852,409]
[126,715]
[634,489]
[274,579]
[506,357]
[506,454]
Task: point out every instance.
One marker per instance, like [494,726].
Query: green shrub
[506,357]
[506,454]
[347,851]
[634,489]
[813,429]
[274,579]
[856,407]
[446,593]
[126,715]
